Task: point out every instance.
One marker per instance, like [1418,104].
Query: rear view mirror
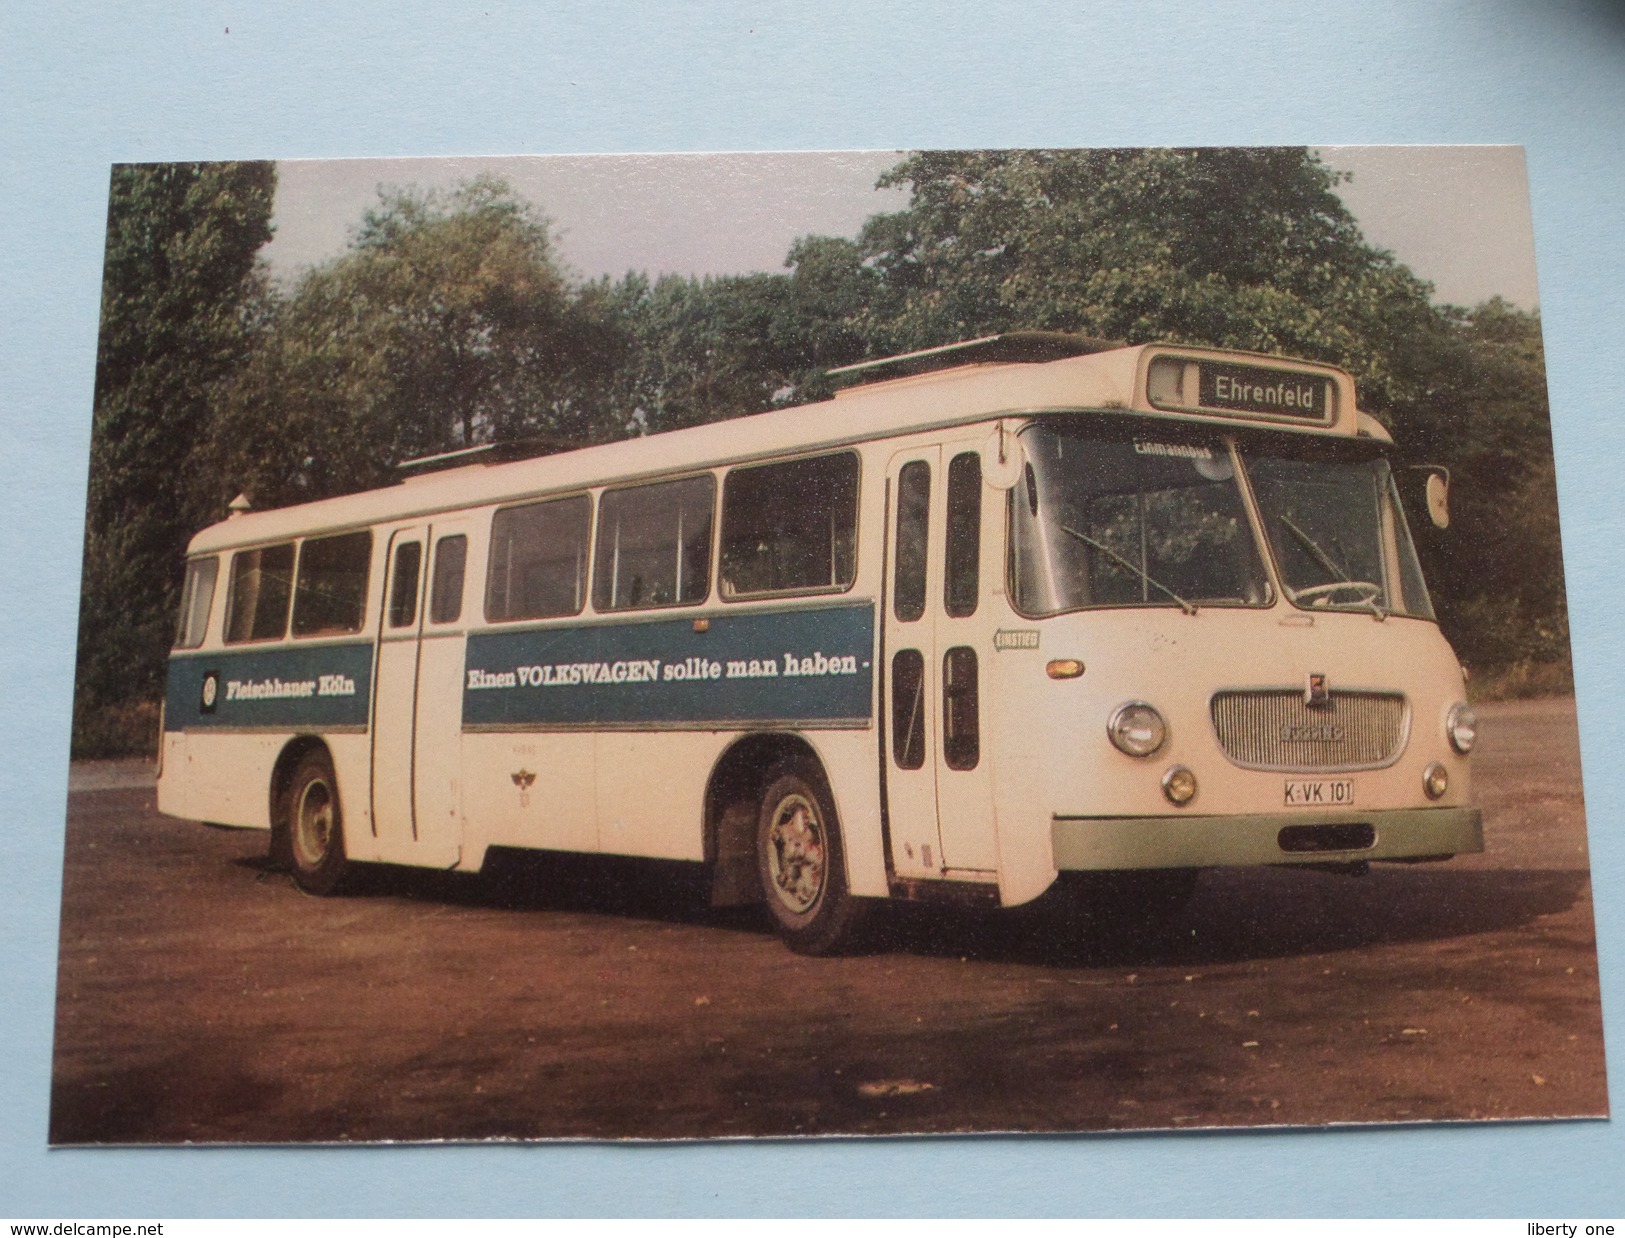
[1438,493]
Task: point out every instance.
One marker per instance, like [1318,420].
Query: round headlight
[1462,727]
[1179,785]
[1137,729]
[1435,780]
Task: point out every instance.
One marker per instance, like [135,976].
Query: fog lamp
[1179,785]
[1462,727]
[1435,780]
[1137,729]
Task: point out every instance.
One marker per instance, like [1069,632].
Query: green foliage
[1497,575]
[179,294]
[707,350]
[448,323]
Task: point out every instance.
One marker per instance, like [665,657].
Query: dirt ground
[201,998]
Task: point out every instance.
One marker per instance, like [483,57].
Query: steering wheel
[1366,589]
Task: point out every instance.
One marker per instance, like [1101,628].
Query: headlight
[1137,729]
[1179,785]
[1435,780]
[1462,727]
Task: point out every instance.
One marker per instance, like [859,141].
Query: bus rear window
[654,545]
[197,595]
[538,560]
[261,588]
[790,527]
[331,595]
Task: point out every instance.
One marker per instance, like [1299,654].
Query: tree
[447,324]
[1498,573]
[179,295]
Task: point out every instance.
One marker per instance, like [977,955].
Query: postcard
[639,647]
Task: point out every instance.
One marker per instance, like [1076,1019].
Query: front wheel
[313,845]
[801,864]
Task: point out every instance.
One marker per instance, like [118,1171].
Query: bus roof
[1161,381]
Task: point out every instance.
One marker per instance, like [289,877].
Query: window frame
[290,629]
[921,594]
[805,590]
[589,546]
[183,626]
[710,557]
[433,580]
[281,634]
[392,593]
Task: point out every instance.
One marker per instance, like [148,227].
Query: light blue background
[83,85]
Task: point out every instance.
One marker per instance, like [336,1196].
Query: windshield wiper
[1343,581]
[1133,567]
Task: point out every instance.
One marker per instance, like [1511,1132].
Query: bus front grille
[1275,729]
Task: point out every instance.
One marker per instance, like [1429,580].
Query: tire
[802,865]
[312,828]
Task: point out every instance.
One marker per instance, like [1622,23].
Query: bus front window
[1153,518]
[1335,526]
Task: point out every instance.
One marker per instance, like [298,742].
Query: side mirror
[1438,493]
[1002,462]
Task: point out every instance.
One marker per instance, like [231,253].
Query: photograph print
[822,644]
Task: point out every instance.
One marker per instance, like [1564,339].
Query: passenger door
[938,789]
[416,732]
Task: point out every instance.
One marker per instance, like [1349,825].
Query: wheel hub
[796,853]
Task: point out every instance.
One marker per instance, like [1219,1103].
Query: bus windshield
[1113,517]
[1335,526]
[1118,519]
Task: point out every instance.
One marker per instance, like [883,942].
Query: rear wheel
[801,864]
[313,825]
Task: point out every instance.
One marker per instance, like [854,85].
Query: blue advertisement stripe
[811,663]
[283,687]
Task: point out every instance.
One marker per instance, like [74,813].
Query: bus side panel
[221,778]
[352,766]
[849,763]
[651,791]
[174,775]
[1017,738]
[529,789]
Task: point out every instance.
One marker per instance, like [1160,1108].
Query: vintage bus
[996,613]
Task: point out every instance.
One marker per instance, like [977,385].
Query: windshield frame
[1247,443]
[1128,429]
[1237,441]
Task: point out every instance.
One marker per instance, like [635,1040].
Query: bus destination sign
[1252,389]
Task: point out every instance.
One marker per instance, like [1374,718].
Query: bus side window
[196,598]
[790,527]
[913,518]
[261,588]
[446,587]
[908,708]
[403,584]
[331,593]
[961,729]
[962,579]
[538,560]
[654,545]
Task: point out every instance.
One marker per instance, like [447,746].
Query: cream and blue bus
[1023,609]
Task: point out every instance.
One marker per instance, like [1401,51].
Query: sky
[1457,215]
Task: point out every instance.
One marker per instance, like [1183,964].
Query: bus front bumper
[1102,844]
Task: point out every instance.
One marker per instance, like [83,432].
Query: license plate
[1324,794]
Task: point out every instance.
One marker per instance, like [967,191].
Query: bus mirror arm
[1001,457]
